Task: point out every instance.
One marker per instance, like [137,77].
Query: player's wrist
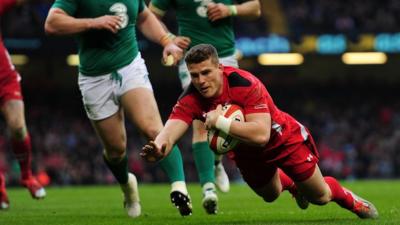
[171,36]
[90,24]
[167,39]
[232,10]
[223,124]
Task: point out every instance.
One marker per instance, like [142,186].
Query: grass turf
[102,205]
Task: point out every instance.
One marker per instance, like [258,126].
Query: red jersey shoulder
[246,90]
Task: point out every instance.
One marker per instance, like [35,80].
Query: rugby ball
[219,141]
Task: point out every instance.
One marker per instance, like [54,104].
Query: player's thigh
[13,111]
[137,98]
[141,108]
[199,131]
[301,166]
[11,103]
[260,176]
[111,131]
[272,189]
[315,188]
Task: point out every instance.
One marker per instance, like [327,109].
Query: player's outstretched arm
[255,130]
[165,140]
[58,22]
[249,10]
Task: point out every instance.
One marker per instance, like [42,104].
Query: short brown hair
[200,53]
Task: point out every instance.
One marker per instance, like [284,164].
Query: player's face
[206,78]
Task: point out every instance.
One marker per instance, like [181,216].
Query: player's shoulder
[238,77]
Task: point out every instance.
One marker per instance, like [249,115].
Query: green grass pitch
[102,205]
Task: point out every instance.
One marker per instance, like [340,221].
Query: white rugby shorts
[101,94]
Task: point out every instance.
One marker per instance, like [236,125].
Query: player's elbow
[49,28]
[50,25]
[256,13]
[261,139]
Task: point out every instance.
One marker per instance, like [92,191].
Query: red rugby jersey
[244,89]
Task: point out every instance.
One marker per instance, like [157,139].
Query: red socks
[339,195]
[22,151]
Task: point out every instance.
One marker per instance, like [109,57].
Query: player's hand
[212,117]
[216,11]
[152,152]
[182,42]
[107,22]
[174,50]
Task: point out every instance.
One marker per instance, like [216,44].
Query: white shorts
[184,74]
[101,94]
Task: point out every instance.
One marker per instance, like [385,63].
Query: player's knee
[114,155]
[270,195]
[319,199]
[18,131]
[115,149]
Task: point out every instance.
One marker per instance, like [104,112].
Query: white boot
[210,198]
[131,197]
[221,178]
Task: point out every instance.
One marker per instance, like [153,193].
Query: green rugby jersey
[193,23]
[101,51]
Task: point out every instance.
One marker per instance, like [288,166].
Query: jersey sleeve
[6,5]
[160,7]
[256,100]
[69,6]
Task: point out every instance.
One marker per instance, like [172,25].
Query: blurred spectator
[340,16]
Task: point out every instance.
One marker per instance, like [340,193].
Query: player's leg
[107,119]
[111,131]
[4,202]
[321,190]
[141,108]
[301,166]
[204,161]
[12,107]
[262,177]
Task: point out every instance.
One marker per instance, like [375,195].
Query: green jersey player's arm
[152,29]
[182,42]
[150,26]
[58,22]
[247,9]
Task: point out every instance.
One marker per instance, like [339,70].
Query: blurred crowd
[340,16]
[357,133]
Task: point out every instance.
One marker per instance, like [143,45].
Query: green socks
[204,160]
[173,165]
[119,169]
